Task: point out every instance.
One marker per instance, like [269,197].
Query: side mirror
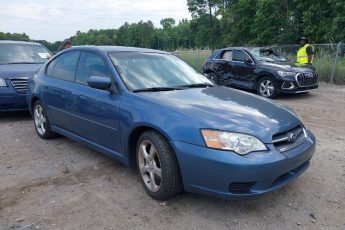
[249,61]
[98,82]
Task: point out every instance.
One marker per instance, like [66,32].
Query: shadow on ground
[15,116]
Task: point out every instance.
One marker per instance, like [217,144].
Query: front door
[243,71]
[96,110]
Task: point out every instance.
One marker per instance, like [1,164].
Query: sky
[55,20]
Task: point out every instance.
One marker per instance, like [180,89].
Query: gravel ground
[60,184]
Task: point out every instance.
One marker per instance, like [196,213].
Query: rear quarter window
[223,54]
[213,55]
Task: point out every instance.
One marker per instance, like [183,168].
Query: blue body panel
[211,171]
[10,99]
[105,121]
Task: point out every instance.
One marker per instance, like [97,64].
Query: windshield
[23,53]
[151,70]
[264,54]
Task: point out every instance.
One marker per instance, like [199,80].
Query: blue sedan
[151,110]
[18,61]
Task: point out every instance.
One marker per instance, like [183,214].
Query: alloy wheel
[266,88]
[40,119]
[150,166]
[212,77]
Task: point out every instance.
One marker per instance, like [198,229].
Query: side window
[91,64]
[51,66]
[239,55]
[64,66]
[227,55]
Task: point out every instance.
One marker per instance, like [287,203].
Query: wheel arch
[262,75]
[133,138]
[32,103]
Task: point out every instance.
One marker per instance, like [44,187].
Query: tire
[41,122]
[267,87]
[213,77]
[156,162]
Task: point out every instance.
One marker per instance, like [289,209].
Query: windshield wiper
[198,85]
[156,89]
[22,62]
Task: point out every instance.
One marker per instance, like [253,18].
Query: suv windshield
[265,54]
[154,70]
[23,53]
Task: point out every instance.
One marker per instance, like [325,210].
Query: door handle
[83,99]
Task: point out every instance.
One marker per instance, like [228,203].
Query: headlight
[237,142]
[2,82]
[286,74]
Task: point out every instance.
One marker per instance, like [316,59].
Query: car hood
[284,66]
[19,70]
[228,109]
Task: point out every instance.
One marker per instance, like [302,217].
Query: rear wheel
[213,77]
[41,121]
[267,87]
[157,166]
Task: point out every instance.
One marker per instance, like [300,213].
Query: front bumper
[296,89]
[227,175]
[293,85]
[11,100]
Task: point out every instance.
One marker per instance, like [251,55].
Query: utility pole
[211,21]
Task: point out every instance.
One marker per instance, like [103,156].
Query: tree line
[220,23]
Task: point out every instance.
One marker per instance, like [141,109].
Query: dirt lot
[60,184]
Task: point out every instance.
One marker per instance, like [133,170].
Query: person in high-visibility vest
[305,54]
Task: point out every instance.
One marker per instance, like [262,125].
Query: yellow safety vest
[302,56]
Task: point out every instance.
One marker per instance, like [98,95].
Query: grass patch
[195,58]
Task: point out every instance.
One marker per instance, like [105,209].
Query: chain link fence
[329,59]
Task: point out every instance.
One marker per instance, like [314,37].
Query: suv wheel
[267,87]
[41,121]
[157,166]
[213,77]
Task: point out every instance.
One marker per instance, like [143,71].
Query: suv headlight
[237,142]
[2,82]
[286,73]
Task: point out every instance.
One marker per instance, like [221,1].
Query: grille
[289,139]
[240,187]
[307,79]
[20,84]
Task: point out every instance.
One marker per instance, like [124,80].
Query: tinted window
[18,53]
[227,55]
[239,56]
[64,66]
[91,64]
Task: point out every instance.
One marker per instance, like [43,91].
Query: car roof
[107,49]
[18,42]
[245,48]
[236,48]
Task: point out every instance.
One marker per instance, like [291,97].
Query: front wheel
[41,121]
[267,87]
[157,166]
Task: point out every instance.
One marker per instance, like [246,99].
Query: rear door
[57,92]
[223,67]
[228,71]
[243,72]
